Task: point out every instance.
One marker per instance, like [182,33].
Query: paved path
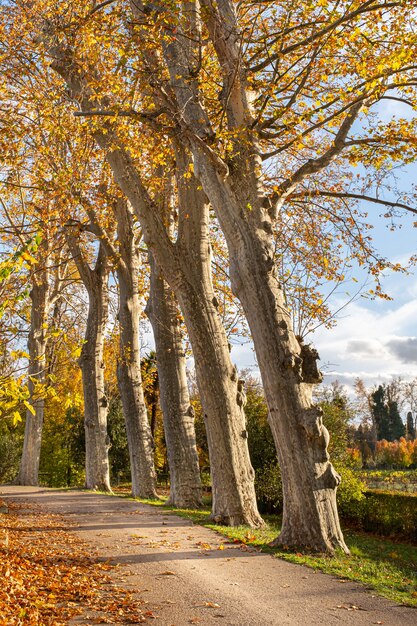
[185,576]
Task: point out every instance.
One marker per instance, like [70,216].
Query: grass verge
[387,567]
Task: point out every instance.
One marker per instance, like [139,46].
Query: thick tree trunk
[139,436]
[289,370]
[37,342]
[178,414]
[223,399]
[97,474]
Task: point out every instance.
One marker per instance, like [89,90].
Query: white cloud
[366,348]
[374,341]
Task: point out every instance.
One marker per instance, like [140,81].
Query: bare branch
[312,166]
[359,196]
[100,6]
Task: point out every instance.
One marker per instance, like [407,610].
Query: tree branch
[100,6]
[359,196]
[312,166]
[367,7]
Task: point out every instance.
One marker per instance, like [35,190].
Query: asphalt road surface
[190,575]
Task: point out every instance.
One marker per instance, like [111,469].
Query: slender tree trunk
[97,474]
[139,436]
[154,407]
[178,414]
[37,342]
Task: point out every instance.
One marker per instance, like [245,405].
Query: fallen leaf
[50,575]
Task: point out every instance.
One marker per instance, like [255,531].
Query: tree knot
[241,395]
[310,372]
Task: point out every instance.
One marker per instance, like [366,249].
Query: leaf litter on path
[50,576]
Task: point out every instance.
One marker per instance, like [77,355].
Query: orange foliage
[402,453]
[354,457]
[49,576]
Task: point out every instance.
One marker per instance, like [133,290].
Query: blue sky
[375,340]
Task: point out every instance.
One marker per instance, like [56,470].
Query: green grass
[387,567]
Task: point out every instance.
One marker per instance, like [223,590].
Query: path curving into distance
[188,574]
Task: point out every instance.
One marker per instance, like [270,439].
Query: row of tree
[172,130]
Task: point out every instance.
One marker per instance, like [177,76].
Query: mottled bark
[139,436]
[91,362]
[178,414]
[37,343]
[289,370]
[236,191]
[187,268]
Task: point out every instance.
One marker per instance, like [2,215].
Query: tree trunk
[222,393]
[139,436]
[289,370]
[97,474]
[186,266]
[178,414]
[37,342]
[223,399]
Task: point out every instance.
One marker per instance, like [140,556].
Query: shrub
[353,458]
[402,453]
[350,493]
[62,451]
[260,441]
[387,513]
[268,488]
[394,479]
[11,440]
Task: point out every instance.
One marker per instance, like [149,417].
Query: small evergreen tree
[386,416]
[380,414]
[396,425]
[411,431]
